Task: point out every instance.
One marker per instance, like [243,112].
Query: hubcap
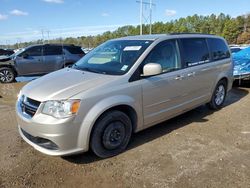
[113,135]
[6,76]
[220,95]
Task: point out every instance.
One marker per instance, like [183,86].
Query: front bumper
[56,137]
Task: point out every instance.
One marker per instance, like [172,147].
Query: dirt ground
[201,148]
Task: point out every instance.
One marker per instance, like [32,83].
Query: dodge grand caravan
[121,87]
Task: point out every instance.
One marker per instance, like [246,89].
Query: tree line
[234,30]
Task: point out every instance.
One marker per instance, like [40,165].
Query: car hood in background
[241,62]
[63,84]
[4,58]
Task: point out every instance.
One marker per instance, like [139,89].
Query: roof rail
[189,33]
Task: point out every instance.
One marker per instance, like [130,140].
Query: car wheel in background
[7,75]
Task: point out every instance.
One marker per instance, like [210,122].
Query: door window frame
[182,52]
[25,51]
[137,73]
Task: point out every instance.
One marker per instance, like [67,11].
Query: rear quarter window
[74,49]
[194,51]
[218,48]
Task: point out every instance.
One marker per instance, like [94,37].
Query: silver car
[121,87]
[38,60]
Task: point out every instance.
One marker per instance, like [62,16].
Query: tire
[219,96]
[7,75]
[111,134]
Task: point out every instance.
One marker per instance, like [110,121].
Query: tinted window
[218,49]
[195,51]
[74,49]
[33,51]
[166,54]
[52,50]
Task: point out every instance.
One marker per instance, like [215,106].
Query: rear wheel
[219,96]
[111,134]
[7,75]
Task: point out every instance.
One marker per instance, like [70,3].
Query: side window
[52,50]
[74,49]
[218,49]
[34,51]
[166,54]
[195,51]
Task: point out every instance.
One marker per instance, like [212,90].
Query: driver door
[30,62]
[164,95]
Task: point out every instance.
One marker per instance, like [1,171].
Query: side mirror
[152,69]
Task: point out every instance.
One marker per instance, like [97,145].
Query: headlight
[61,109]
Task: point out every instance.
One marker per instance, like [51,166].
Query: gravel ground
[200,148]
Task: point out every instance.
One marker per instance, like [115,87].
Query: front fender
[95,112]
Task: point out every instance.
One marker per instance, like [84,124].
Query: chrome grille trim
[28,106]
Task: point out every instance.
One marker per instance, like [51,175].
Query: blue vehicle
[241,62]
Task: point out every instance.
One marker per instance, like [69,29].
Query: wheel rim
[6,76]
[114,135]
[220,95]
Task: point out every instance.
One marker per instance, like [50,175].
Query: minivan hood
[63,84]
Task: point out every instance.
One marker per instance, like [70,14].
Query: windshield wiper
[75,66]
[93,70]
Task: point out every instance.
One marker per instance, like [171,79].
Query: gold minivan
[121,87]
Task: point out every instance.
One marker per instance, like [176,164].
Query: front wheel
[111,134]
[219,96]
[7,75]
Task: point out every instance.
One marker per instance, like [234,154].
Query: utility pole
[150,17]
[48,32]
[141,14]
[42,35]
[144,18]
[17,41]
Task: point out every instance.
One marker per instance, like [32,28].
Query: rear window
[74,49]
[218,49]
[195,51]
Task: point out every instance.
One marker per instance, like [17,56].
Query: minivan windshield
[113,57]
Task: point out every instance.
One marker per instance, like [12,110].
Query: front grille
[29,106]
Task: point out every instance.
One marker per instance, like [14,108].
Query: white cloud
[105,14]
[3,17]
[17,12]
[170,12]
[54,1]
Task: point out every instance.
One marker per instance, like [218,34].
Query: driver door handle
[191,74]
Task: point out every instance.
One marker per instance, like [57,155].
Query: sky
[26,20]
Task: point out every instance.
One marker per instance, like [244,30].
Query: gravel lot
[201,148]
